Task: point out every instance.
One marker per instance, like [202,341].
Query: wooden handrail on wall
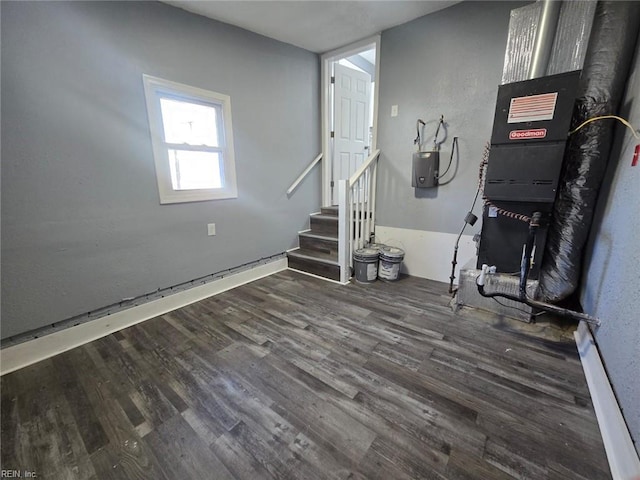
[301,177]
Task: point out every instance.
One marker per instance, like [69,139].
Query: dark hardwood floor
[293,377]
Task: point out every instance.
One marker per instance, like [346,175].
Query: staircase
[318,251]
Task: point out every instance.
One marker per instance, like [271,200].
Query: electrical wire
[418,140]
[475,199]
[454,146]
[604,117]
[507,213]
[454,262]
[483,164]
[436,144]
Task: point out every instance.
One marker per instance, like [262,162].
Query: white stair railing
[356,212]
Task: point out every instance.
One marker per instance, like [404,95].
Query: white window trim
[154,85]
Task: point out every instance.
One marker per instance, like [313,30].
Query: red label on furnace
[527,134]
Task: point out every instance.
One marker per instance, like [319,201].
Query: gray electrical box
[425,169]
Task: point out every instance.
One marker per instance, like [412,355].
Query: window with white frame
[192,141]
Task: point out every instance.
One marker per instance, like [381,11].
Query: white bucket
[365,265]
[390,260]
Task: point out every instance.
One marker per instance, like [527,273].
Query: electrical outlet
[394,110]
[211,229]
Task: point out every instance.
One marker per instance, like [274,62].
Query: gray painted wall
[611,283]
[450,63]
[82,226]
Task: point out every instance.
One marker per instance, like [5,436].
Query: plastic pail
[365,264]
[390,260]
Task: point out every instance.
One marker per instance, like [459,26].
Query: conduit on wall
[604,76]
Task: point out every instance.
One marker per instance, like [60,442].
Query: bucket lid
[392,252]
[377,246]
[366,253]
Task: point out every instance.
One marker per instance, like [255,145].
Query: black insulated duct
[604,76]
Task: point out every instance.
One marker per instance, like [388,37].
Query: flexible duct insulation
[604,75]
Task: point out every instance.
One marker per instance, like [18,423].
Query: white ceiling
[318,26]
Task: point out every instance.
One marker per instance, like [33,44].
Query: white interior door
[351,99]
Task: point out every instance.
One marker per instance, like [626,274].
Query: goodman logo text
[527,134]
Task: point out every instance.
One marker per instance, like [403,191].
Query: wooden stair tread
[322,216]
[318,236]
[309,256]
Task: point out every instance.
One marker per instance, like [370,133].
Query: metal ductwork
[545,34]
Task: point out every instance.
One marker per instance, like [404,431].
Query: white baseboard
[428,254]
[622,456]
[27,353]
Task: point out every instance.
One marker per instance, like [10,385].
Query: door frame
[326,99]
